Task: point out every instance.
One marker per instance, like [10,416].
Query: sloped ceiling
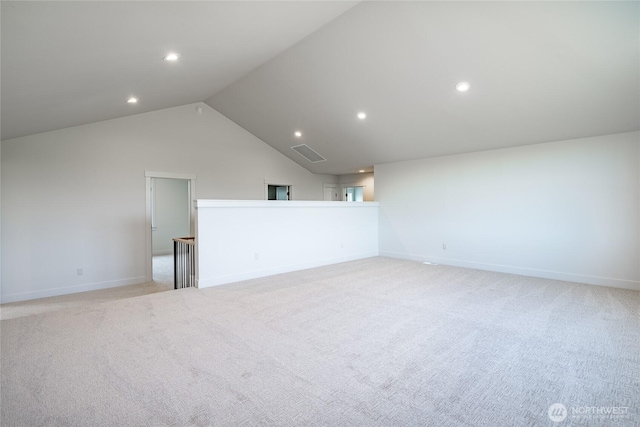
[67,63]
[539,71]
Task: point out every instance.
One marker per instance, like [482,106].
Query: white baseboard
[522,271]
[247,275]
[72,289]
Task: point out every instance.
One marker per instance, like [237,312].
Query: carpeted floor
[162,281]
[375,342]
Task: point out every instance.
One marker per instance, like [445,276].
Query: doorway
[169,219]
[331,192]
[170,214]
[278,192]
[353,194]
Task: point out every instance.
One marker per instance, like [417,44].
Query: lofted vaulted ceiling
[66,63]
[539,71]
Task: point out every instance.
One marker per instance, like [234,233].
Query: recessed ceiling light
[171,57]
[361,171]
[132,100]
[362,115]
[297,134]
[463,87]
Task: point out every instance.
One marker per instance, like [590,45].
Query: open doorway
[278,192]
[169,219]
[353,193]
[170,214]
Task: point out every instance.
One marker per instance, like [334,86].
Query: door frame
[192,211]
[344,186]
[335,188]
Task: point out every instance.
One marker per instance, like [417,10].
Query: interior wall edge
[46,293]
[233,278]
[520,271]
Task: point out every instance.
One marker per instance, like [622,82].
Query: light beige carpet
[162,281]
[376,342]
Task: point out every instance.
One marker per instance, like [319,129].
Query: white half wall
[567,210]
[240,240]
[76,198]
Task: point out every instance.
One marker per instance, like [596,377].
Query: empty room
[320,213]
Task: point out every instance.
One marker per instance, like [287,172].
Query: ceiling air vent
[305,151]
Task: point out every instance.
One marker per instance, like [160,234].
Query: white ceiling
[539,71]
[66,63]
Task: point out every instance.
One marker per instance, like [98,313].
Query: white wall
[171,212]
[75,198]
[566,210]
[0,225]
[240,240]
[360,180]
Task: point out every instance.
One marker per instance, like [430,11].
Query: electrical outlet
[79,271]
[444,246]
